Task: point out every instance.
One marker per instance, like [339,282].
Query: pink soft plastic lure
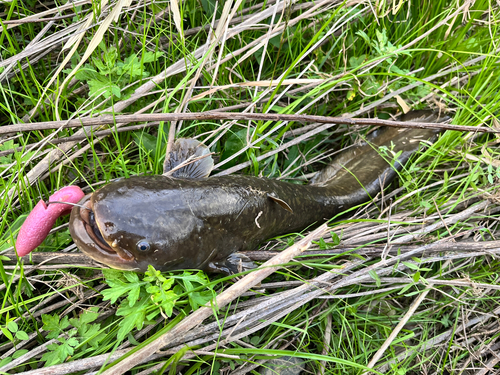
[43,217]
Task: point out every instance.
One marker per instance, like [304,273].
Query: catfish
[185,219]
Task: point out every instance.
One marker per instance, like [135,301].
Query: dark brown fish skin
[194,223]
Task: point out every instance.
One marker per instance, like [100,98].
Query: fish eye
[143,246]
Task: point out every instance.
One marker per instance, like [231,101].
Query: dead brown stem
[216,115]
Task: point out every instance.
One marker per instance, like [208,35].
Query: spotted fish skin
[204,222]
[192,223]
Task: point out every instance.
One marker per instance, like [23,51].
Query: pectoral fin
[188,158]
[234,263]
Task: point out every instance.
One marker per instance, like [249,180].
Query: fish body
[196,223]
[191,221]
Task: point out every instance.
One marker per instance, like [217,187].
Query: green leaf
[19,353]
[209,8]
[131,66]
[215,367]
[59,353]
[255,340]
[393,68]
[132,339]
[363,35]
[422,91]
[95,341]
[108,66]
[54,325]
[354,62]
[112,275]
[21,335]
[196,298]
[152,275]
[12,326]
[5,146]
[370,86]
[416,276]
[163,298]
[233,144]
[133,317]
[445,320]
[103,69]
[425,204]
[7,360]
[146,140]
[374,276]
[131,277]
[90,315]
[153,314]
[105,88]
[335,238]
[51,357]
[133,296]
[403,291]
[148,57]
[198,277]
[322,244]
[110,57]
[381,37]
[116,91]
[88,332]
[119,287]
[7,333]
[411,266]
[86,73]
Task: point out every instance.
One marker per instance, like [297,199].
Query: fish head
[88,237]
[124,226]
[132,223]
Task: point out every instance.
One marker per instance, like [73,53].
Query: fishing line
[70,203]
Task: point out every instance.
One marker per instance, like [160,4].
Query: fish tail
[360,172]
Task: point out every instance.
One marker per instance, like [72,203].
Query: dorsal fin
[188,158]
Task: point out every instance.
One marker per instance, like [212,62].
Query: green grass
[358,60]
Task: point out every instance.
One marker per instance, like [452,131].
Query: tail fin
[360,172]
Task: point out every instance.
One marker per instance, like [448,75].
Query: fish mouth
[88,217]
[88,237]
